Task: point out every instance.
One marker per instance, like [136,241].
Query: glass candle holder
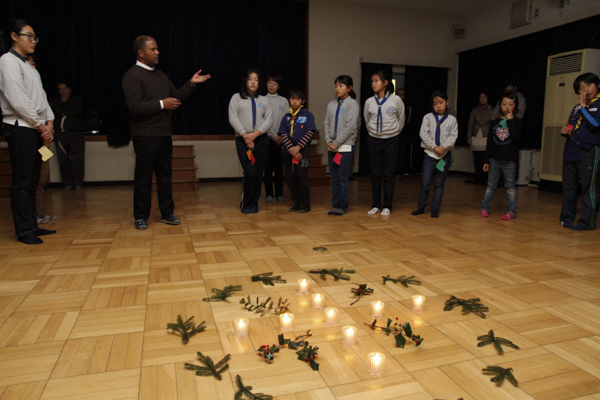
[331,316]
[349,334]
[303,285]
[377,309]
[287,322]
[317,301]
[376,363]
[418,302]
[241,326]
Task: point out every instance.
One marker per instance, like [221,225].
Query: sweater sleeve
[350,126]
[133,90]
[267,119]
[514,127]
[14,91]
[183,92]
[425,134]
[471,121]
[326,124]
[234,119]
[400,114]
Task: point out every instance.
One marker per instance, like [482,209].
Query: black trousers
[253,174]
[481,176]
[383,156]
[585,170]
[71,149]
[153,154]
[403,165]
[298,178]
[23,144]
[274,165]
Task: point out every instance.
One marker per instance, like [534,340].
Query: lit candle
[418,301]
[303,286]
[241,327]
[287,322]
[349,335]
[377,362]
[377,308]
[317,301]
[331,316]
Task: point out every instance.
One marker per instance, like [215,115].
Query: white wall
[489,22]
[341,33]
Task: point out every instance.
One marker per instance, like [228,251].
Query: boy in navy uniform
[296,130]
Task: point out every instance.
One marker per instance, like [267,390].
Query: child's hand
[298,156]
[439,150]
[566,130]
[250,145]
[295,150]
[583,99]
[277,139]
[331,147]
[486,167]
[509,115]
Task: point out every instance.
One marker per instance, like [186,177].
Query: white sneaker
[373,211]
[385,211]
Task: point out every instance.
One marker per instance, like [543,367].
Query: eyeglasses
[30,37]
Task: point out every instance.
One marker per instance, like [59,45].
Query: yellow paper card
[45,152]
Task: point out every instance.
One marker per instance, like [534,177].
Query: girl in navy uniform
[438,135]
[250,117]
[581,155]
[296,131]
[341,128]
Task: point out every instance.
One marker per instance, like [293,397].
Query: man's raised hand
[197,78]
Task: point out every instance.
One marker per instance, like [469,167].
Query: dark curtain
[368,69]
[89,43]
[525,59]
[420,83]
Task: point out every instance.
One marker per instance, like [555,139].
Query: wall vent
[566,64]
[520,14]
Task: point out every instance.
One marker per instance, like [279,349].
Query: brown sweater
[143,90]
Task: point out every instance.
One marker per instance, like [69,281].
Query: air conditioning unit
[520,13]
[560,99]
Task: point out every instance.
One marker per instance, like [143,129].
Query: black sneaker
[141,224]
[304,209]
[295,208]
[418,211]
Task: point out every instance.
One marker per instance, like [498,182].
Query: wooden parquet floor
[83,316]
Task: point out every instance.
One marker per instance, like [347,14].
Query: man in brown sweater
[151,97]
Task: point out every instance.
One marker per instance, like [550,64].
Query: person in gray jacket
[274,165]
[341,123]
[250,116]
[384,116]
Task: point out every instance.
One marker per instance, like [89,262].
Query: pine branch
[246,391]
[396,329]
[496,341]
[501,374]
[265,307]
[211,368]
[360,291]
[402,280]
[222,295]
[336,273]
[470,305]
[186,329]
[267,279]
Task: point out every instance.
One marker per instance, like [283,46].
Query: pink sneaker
[484,214]
[508,216]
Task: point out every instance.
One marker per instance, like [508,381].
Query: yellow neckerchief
[293,118]
[581,116]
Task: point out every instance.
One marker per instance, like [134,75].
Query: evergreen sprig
[186,329]
[336,273]
[211,368]
[501,374]
[405,281]
[244,392]
[306,353]
[470,305]
[396,329]
[267,279]
[265,307]
[222,295]
[360,291]
[490,338]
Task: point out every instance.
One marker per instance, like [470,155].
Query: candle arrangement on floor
[303,285]
[377,309]
[317,301]
[331,316]
[376,363]
[287,322]
[241,326]
[418,302]
[349,335]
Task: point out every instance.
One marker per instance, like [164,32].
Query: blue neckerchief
[337,113]
[253,110]
[379,115]
[437,128]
